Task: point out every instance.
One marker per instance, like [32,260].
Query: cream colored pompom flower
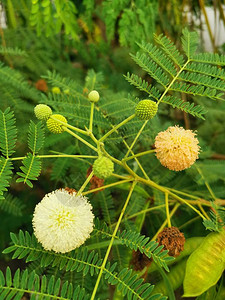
[177,148]
[62,220]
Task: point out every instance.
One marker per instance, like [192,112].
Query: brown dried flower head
[41,85]
[140,260]
[95,181]
[70,190]
[172,239]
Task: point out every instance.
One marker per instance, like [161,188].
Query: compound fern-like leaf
[7,132]
[12,205]
[31,168]
[131,285]
[196,111]
[5,175]
[14,287]
[136,241]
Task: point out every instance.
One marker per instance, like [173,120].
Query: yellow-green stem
[85,183]
[119,176]
[69,126]
[174,79]
[183,193]
[167,210]
[111,241]
[56,156]
[91,116]
[138,155]
[137,136]
[137,161]
[165,222]
[203,211]
[189,222]
[174,196]
[107,186]
[144,211]
[80,139]
[206,183]
[116,127]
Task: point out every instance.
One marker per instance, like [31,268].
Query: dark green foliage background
[89,48]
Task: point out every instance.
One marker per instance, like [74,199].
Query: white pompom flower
[63,221]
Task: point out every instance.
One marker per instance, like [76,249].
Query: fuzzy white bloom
[63,221]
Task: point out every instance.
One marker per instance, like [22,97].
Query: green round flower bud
[103,167]
[54,126]
[146,109]
[42,112]
[93,96]
[56,90]
[67,91]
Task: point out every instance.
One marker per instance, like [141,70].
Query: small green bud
[56,90]
[54,126]
[42,112]
[146,109]
[93,96]
[67,91]
[103,167]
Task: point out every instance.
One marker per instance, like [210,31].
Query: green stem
[122,164]
[206,183]
[91,116]
[137,136]
[119,176]
[137,161]
[116,127]
[165,222]
[189,222]
[69,126]
[80,139]
[164,190]
[107,186]
[183,193]
[174,79]
[144,211]
[111,241]
[56,156]
[85,183]
[139,154]
[167,209]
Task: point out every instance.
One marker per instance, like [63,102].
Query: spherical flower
[103,167]
[63,221]
[93,96]
[177,148]
[146,109]
[42,111]
[56,90]
[54,126]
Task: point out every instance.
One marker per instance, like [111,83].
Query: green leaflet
[81,260]
[14,287]
[31,168]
